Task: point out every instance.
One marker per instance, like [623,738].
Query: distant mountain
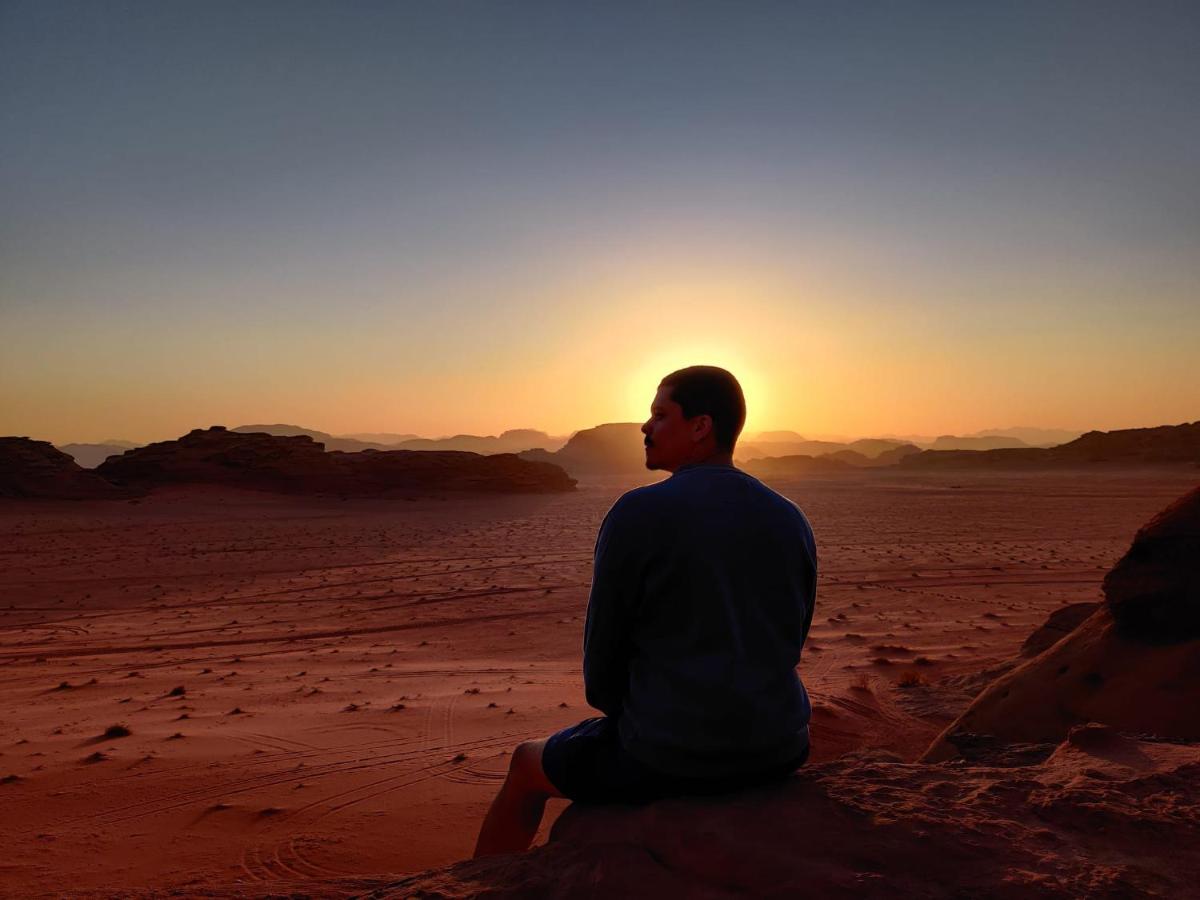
[1166,444]
[774,437]
[512,441]
[993,442]
[862,461]
[617,447]
[1034,437]
[876,447]
[331,442]
[896,454]
[757,449]
[868,447]
[91,455]
[799,465]
[380,437]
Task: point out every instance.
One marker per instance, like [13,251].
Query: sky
[445,217]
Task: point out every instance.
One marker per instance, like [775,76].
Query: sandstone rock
[1060,623]
[1092,819]
[31,468]
[1133,663]
[1154,591]
[1164,445]
[614,448]
[298,464]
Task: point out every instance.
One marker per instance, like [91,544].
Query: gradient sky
[463,217]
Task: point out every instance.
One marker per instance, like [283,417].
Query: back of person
[702,594]
[727,587]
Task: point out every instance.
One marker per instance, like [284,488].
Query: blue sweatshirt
[702,595]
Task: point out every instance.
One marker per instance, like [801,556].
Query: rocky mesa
[298,464]
[30,468]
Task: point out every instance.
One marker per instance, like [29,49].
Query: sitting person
[702,595]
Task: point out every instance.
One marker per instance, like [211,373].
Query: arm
[606,633]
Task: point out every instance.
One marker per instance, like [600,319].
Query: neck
[716,458]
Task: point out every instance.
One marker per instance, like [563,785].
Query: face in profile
[670,439]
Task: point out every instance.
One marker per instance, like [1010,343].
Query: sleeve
[607,643]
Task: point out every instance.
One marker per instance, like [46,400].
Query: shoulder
[634,505]
[787,508]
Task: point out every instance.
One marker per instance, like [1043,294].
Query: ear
[702,427]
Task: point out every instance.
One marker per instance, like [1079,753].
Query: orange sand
[322,688]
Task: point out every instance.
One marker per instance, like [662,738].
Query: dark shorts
[587,763]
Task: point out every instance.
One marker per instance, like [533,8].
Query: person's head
[697,414]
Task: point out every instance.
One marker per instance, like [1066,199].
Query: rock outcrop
[615,448]
[1057,626]
[298,464]
[329,441]
[1088,819]
[1133,663]
[1165,445]
[31,468]
[1153,592]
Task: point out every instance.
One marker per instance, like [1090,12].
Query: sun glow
[643,382]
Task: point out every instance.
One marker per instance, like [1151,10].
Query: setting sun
[643,382]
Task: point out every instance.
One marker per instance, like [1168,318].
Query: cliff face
[300,464]
[218,456]
[31,468]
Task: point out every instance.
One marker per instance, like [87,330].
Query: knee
[526,758]
[525,767]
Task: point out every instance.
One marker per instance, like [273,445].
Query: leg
[516,813]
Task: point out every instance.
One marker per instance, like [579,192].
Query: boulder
[1133,663]
[1061,622]
[1153,592]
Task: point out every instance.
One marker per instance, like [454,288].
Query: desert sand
[216,690]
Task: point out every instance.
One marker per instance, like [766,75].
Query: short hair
[710,390]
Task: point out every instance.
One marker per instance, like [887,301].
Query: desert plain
[214,689]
